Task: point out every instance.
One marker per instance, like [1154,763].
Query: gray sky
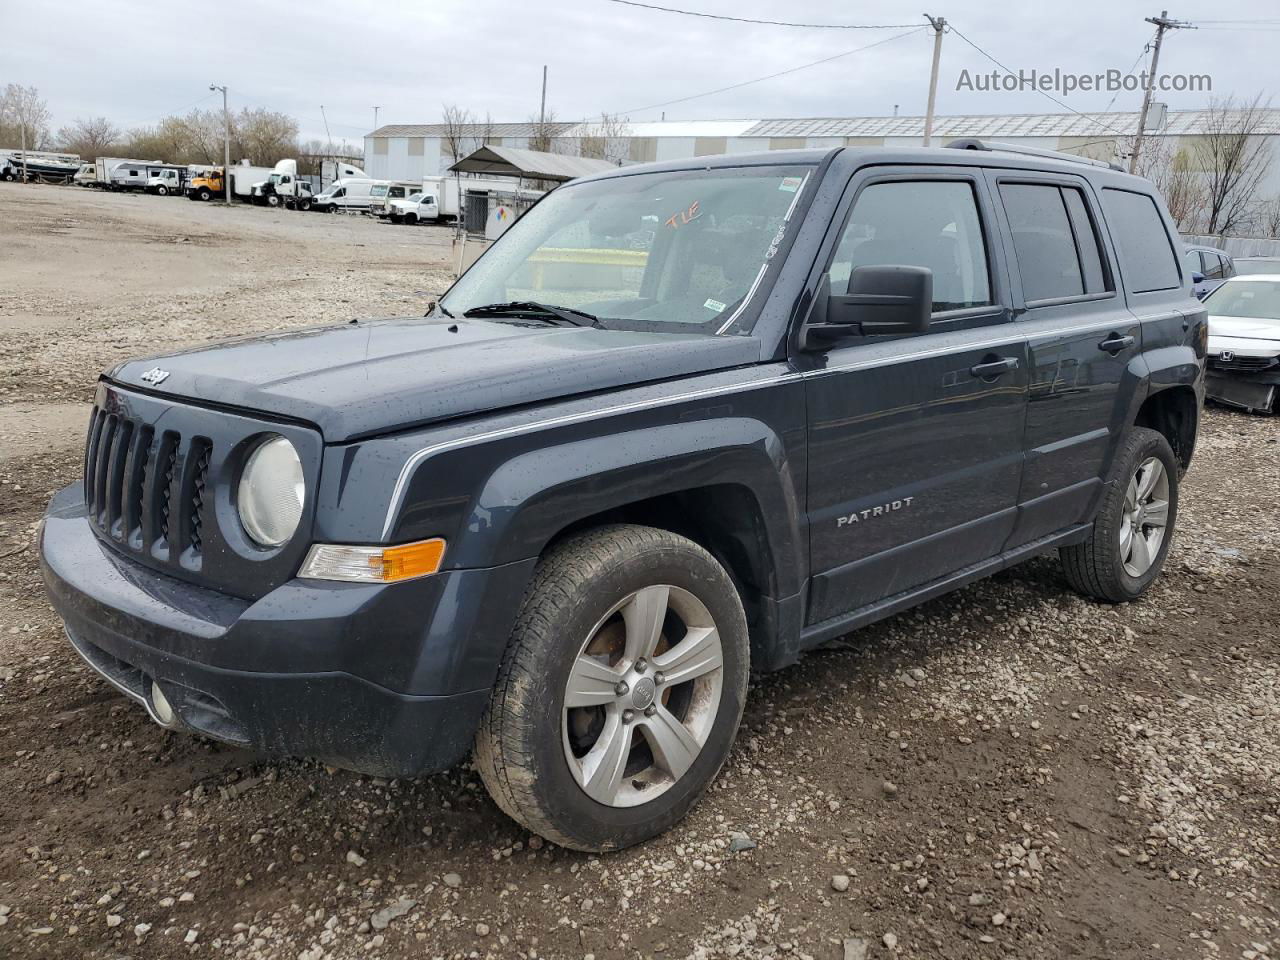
[487,55]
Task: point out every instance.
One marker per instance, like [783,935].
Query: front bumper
[1249,381]
[388,680]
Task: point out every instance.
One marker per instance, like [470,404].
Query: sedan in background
[1257,265]
[1208,267]
[1244,342]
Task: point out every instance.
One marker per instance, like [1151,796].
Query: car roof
[1200,246]
[850,158]
[1259,259]
[1255,277]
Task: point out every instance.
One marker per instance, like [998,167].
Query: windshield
[1255,299]
[1257,266]
[378,190]
[678,252]
[415,197]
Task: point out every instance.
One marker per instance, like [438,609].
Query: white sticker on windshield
[716,305]
[790,184]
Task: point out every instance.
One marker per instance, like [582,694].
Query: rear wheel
[620,693]
[1134,528]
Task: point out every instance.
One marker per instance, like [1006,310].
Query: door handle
[1115,343]
[990,369]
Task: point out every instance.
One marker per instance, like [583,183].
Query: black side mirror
[1197,277]
[882,300]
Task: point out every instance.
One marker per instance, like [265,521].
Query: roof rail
[973,143]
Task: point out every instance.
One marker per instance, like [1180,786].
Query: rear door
[1081,338]
[915,442]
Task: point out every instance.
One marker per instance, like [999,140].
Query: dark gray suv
[682,422]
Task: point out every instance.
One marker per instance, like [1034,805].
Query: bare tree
[1172,171]
[545,132]
[1268,217]
[606,139]
[457,122]
[486,134]
[1235,160]
[24,118]
[205,131]
[263,136]
[89,138]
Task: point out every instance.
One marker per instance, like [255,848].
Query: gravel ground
[1010,771]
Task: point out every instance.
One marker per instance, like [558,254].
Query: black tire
[1095,567]
[304,205]
[205,194]
[522,742]
[411,218]
[162,191]
[273,200]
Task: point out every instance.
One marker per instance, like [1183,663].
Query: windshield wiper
[561,316]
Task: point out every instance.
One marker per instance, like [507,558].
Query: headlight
[272,491]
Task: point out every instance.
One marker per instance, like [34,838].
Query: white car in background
[413,208]
[1244,342]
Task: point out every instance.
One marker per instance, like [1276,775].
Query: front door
[1081,336]
[915,443]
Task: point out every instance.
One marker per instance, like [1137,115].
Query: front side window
[679,251]
[1146,252]
[919,223]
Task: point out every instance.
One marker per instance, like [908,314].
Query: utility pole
[938,23]
[542,110]
[226,143]
[1162,24]
[375,117]
[23,124]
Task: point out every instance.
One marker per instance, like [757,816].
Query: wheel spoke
[674,746]
[697,654]
[1126,541]
[643,616]
[1157,513]
[603,766]
[591,683]
[1140,557]
[1149,476]
[1131,494]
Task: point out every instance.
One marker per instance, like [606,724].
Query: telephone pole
[1162,23]
[375,117]
[542,110]
[938,23]
[226,143]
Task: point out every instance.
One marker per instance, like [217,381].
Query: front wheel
[162,191]
[411,218]
[273,200]
[621,689]
[304,205]
[1134,527]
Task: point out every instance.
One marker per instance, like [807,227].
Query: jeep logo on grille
[155,376]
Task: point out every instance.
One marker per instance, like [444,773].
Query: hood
[1243,333]
[366,378]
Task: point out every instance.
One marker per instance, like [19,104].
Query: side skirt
[820,633]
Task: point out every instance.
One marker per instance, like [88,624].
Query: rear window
[1146,252]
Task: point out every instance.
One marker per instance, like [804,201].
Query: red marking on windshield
[678,220]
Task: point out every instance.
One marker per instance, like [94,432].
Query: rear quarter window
[1147,256]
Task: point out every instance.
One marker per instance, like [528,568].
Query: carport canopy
[530,164]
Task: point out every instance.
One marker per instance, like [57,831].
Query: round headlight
[271,493]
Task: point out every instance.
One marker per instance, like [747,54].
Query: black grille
[1244,364]
[134,482]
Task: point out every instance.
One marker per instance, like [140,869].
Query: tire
[162,191]
[332,208]
[582,616]
[411,218]
[304,205]
[1112,565]
[205,194]
[273,200]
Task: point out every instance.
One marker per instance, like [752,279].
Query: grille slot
[143,490]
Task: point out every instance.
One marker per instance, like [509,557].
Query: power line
[771,23]
[1086,116]
[772,76]
[1136,60]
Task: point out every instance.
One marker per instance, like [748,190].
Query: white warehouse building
[412,151]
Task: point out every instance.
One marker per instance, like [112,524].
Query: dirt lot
[1008,771]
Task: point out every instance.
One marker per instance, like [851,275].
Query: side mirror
[1197,277]
[882,300]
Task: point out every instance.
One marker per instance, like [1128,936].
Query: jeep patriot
[682,422]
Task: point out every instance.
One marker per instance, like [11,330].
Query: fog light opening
[161,707]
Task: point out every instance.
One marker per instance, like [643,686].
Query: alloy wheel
[642,696]
[1145,517]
